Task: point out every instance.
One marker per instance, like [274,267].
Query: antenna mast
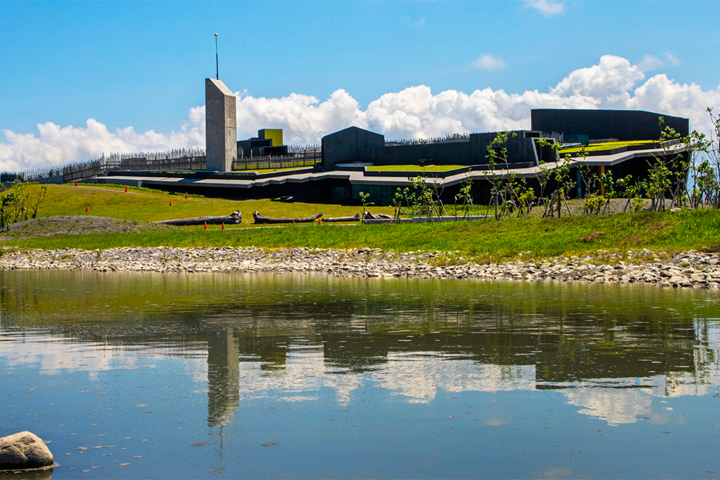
[217,67]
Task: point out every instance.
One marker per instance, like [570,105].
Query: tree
[669,170]
[506,188]
[428,196]
[465,196]
[365,199]
[710,183]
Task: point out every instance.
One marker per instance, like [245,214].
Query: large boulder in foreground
[24,450]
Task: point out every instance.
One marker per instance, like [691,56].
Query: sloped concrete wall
[220,126]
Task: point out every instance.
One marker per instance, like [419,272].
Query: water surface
[228,376]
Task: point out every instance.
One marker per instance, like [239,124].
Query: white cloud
[415,112]
[671,58]
[547,8]
[56,145]
[661,94]
[650,62]
[606,83]
[302,117]
[489,62]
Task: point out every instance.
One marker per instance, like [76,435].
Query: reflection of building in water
[225,347]
[223,375]
[608,362]
[614,385]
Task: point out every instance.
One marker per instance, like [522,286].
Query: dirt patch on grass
[74,225]
[658,226]
[592,237]
[616,205]
[632,238]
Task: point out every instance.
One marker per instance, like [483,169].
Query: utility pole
[217,66]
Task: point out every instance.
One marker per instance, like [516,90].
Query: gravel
[690,269]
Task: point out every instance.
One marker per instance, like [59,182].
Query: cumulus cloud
[661,94]
[55,145]
[415,112]
[303,118]
[489,62]
[607,83]
[547,8]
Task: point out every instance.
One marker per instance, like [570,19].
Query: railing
[308,158]
[185,159]
[454,138]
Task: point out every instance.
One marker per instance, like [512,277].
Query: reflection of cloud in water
[496,422]
[303,372]
[557,472]
[59,354]
[198,371]
[615,406]
[416,377]
[680,384]
[300,398]
[622,401]
[419,377]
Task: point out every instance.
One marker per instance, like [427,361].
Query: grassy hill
[487,240]
[143,205]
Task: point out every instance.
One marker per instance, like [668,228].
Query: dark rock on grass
[22,451]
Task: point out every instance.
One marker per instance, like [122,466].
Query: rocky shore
[690,269]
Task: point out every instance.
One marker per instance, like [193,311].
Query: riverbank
[482,242]
[690,269]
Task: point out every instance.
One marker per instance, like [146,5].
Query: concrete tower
[220,126]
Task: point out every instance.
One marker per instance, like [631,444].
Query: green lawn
[598,147]
[144,205]
[260,171]
[415,168]
[484,240]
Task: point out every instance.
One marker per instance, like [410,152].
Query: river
[132,375]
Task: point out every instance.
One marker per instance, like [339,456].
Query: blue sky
[309,67]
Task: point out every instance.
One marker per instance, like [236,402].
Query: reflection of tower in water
[223,376]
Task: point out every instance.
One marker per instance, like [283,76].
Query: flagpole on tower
[217,67]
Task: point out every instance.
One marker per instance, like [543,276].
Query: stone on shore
[687,270]
[24,450]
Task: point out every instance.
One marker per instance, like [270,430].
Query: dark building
[356,145]
[588,125]
[268,143]
[345,153]
[352,145]
[522,147]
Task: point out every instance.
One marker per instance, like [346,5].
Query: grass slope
[484,241]
[143,205]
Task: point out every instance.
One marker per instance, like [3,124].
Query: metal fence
[454,138]
[174,160]
[304,158]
